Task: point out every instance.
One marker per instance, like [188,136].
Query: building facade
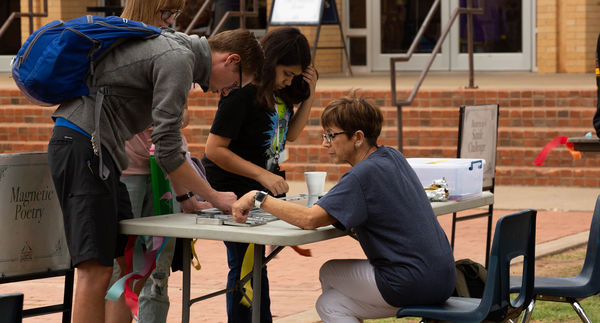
[542,36]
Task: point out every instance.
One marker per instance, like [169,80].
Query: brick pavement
[293,278]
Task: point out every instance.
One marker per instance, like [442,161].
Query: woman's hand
[274,183]
[310,76]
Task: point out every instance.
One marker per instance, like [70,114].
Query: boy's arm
[187,176]
[191,204]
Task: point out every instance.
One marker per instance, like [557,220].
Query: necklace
[367,153]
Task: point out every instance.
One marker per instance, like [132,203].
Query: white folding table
[277,233]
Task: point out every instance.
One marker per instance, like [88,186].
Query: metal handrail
[197,16]
[469,10]
[29,14]
[242,13]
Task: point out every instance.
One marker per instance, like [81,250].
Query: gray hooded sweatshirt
[157,73]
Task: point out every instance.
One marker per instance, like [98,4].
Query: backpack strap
[96,136]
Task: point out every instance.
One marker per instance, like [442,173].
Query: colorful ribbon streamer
[139,265]
[561,140]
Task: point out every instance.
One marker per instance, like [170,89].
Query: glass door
[502,37]
[395,24]
[11,40]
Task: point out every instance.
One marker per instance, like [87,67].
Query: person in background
[153,296]
[248,135]
[221,8]
[161,71]
[596,119]
[381,201]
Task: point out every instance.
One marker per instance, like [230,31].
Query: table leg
[259,251]
[185,294]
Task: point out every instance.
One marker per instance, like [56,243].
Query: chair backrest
[477,137]
[514,237]
[591,265]
[11,307]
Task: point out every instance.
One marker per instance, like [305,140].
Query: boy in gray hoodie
[141,83]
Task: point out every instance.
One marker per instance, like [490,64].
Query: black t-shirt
[251,128]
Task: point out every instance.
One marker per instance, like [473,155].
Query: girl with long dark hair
[247,139]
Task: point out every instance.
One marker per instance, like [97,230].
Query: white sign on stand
[294,12]
[31,223]
[479,136]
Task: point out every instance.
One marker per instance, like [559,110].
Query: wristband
[183,197]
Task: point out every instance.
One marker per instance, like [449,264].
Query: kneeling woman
[381,201]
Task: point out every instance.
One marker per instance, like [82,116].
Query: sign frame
[34,246]
[279,8]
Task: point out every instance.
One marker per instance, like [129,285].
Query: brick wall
[567,34]
[57,9]
[547,36]
[75,8]
[571,36]
[592,23]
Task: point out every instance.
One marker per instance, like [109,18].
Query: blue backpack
[53,63]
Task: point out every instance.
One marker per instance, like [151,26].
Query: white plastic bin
[464,176]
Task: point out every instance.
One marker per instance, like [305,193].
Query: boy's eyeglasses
[235,84]
[329,136]
[166,14]
[240,66]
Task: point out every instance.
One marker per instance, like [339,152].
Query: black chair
[11,308]
[514,237]
[573,289]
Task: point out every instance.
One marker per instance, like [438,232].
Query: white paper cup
[315,182]
[312,199]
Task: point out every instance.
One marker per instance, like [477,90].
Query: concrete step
[448,116]
[25,132]
[534,138]
[528,120]
[547,117]
[13,147]
[26,113]
[584,173]
[532,117]
[506,156]
[425,97]
[313,156]
[548,176]
[505,175]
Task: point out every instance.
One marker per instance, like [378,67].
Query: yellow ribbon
[195,256]
[247,265]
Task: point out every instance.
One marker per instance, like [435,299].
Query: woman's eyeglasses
[329,136]
[166,14]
